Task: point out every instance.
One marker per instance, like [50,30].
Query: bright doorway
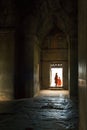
[53,71]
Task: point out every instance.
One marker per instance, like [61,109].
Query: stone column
[74,68]
[82,63]
[6,64]
[36,66]
[7,42]
[29,65]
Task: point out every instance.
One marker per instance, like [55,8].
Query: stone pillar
[29,66]
[7,43]
[82,63]
[24,66]
[73,68]
[6,64]
[19,78]
[36,66]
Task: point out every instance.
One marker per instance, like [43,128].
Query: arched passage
[54,51]
[43,25]
[42,33]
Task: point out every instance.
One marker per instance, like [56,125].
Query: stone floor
[51,110]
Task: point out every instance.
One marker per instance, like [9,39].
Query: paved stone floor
[51,110]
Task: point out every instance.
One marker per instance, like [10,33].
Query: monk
[56,79]
[59,82]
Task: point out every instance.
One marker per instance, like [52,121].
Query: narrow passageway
[50,110]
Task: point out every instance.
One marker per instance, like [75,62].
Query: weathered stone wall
[29,66]
[24,66]
[36,67]
[7,43]
[82,63]
[73,67]
[6,65]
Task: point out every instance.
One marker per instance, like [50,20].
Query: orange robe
[59,82]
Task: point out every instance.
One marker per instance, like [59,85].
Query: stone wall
[36,67]
[6,64]
[82,63]
[7,47]
[73,62]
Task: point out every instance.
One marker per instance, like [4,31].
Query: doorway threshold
[56,88]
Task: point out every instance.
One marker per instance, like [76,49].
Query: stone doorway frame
[55,66]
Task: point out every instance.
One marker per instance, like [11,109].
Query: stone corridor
[50,110]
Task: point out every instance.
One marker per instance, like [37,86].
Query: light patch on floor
[54,93]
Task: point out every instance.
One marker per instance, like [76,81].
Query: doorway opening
[59,71]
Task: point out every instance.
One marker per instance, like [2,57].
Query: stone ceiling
[39,17]
[43,16]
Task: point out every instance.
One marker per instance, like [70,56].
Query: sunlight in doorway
[53,71]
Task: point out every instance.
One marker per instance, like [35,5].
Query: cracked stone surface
[39,113]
